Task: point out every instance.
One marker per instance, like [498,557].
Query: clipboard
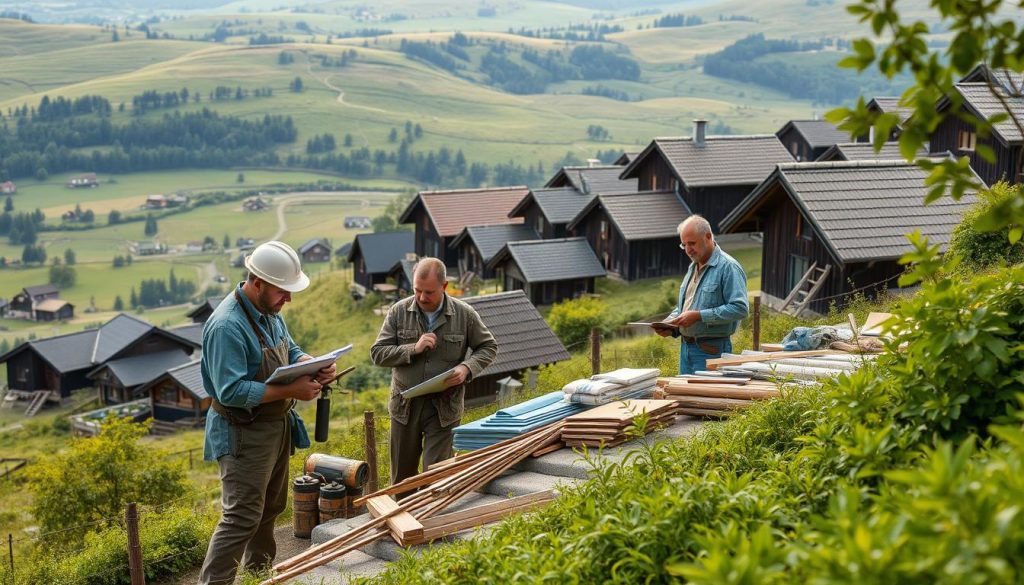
[431,386]
[288,374]
[654,325]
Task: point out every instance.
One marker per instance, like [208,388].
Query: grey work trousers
[421,435]
[254,480]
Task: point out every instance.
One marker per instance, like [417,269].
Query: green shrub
[572,320]
[978,250]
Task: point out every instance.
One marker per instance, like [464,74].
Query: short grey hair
[431,266]
[702,225]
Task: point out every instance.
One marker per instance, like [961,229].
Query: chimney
[699,132]
[593,162]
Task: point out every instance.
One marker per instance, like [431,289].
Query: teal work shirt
[231,359]
[721,297]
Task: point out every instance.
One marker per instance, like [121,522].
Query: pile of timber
[610,425]
[514,421]
[808,366]
[418,518]
[714,396]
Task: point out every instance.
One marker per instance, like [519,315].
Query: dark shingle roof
[550,260]
[406,266]
[593,180]
[648,215]
[117,334]
[723,160]
[66,353]
[312,243]
[451,211]
[1010,80]
[140,369]
[558,204]
[490,238]
[817,133]
[192,332]
[209,305]
[43,289]
[343,251]
[864,151]
[381,251]
[979,97]
[188,375]
[890,105]
[524,338]
[863,210]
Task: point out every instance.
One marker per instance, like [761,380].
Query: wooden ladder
[804,291]
[38,400]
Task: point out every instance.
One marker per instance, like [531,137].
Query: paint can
[350,472]
[333,502]
[305,509]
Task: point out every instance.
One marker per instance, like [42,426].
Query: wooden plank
[767,357]
[403,525]
[549,449]
[707,403]
[621,411]
[739,393]
[771,347]
[872,324]
[703,413]
[447,524]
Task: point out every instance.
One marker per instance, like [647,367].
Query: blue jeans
[694,356]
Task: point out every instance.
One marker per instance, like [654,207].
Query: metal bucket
[350,472]
[305,509]
[333,502]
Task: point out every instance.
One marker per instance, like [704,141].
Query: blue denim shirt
[231,359]
[721,297]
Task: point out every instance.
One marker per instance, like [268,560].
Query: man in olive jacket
[423,336]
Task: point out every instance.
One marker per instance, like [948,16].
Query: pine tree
[8,205]
[133,300]
[118,303]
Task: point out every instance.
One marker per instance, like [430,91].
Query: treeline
[21,228]
[604,91]
[437,54]
[61,107]
[589,62]
[574,32]
[678,20]
[818,82]
[13,15]
[157,292]
[155,100]
[203,139]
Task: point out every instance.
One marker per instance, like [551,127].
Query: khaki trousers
[422,436]
[254,479]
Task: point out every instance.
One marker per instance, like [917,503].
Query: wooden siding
[183,405]
[153,342]
[798,146]
[655,174]
[317,253]
[534,217]
[714,203]
[947,138]
[27,371]
[64,313]
[655,259]
[470,260]
[606,241]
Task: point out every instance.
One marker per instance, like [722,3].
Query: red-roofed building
[440,216]
[8,188]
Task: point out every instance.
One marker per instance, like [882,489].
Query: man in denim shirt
[712,298]
[251,427]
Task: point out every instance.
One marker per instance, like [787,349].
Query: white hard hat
[276,263]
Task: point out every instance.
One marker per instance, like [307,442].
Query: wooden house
[315,250]
[439,217]
[86,180]
[594,179]
[58,365]
[202,312]
[806,140]
[525,341]
[625,158]
[192,332]
[635,235]
[961,138]
[156,201]
[8,188]
[476,245]
[886,105]
[177,398]
[833,228]
[5,306]
[854,151]
[24,303]
[54,310]
[121,380]
[712,174]
[357,222]
[402,273]
[549,271]
[373,255]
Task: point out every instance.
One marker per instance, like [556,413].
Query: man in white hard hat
[251,427]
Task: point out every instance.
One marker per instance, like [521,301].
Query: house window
[604,230]
[798,266]
[23,374]
[654,182]
[539,225]
[169,395]
[967,140]
[801,229]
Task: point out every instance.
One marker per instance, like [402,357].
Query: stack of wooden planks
[713,396]
[417,518]
[609,425]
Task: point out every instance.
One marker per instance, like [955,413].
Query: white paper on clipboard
[287,374]
[431,386]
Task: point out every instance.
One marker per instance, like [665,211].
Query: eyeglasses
[682,247]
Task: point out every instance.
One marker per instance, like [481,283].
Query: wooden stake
[595,351]
[757,323]
[131,516]
[371,450]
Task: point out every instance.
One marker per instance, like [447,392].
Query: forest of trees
[156,292]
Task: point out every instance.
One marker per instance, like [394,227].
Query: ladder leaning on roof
[804,291]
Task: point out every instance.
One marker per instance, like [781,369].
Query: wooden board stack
[608,425]
[714,396]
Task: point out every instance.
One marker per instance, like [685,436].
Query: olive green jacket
[459,331]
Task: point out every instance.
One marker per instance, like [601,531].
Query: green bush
[978,250]
[572,320]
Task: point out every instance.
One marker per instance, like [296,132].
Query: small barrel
[305,508]
[350,472]
[353,495]
[333,502]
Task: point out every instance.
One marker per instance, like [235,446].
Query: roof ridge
[845,164]
[477,190]
[717,137]
[658,192]
[548,241]
[52,337]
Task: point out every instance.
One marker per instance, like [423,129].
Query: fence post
[757,323]
[190,459]
[371,450]
[595,351]
[131,515]
[10,553]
